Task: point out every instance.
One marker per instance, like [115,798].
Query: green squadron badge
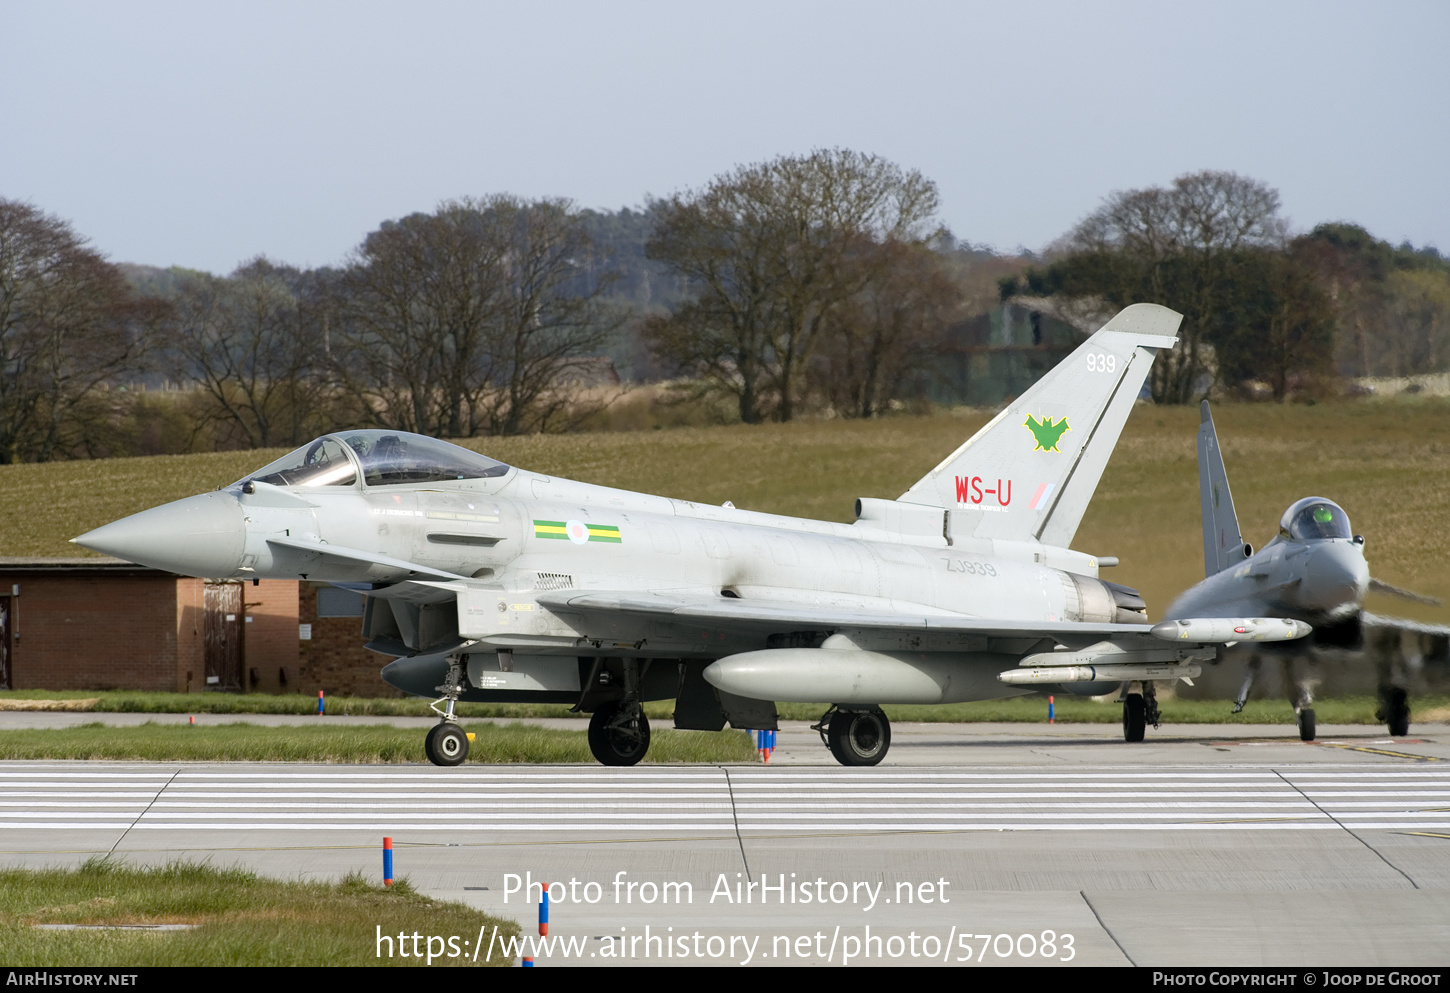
[1046,433]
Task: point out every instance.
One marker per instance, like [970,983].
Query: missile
[1037,675]
[1226,630]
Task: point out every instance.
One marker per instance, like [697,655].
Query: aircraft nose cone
[199,536]
[1336,578]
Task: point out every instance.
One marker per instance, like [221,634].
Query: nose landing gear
[447,743]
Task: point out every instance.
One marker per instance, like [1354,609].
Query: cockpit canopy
[384,458]
[1313,518]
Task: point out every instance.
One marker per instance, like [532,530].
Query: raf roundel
[577,531]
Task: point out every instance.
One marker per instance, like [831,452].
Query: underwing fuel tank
[857,676]
[1221,630]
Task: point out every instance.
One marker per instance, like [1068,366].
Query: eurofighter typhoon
[488,582]
[1313,570]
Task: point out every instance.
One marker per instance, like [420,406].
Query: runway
[1243,850]
[722,801]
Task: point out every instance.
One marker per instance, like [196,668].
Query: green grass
[240,918]
[138,702]
[515,743]
[1346,710]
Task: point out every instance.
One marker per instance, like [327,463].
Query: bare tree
[414,306]
[550,315]
[883,335]
[1416,330]
[1173,246]
[69,326]
[769,251]
[473,317]
[251,341]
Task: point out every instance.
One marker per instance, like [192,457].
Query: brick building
[101,624]
[332,655]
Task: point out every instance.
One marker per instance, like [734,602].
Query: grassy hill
[1387,462]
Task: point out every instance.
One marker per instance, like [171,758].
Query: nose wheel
[1306,724]
[446,744]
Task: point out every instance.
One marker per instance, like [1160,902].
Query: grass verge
[137,702]
[239,918]
[1030,709]
[493,743]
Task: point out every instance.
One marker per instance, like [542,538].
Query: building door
[222,635]
[5,641]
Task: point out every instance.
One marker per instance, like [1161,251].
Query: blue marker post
[387,861]
[544,913]
[1051,713]
[319,701]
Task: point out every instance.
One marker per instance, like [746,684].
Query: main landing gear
[1139,710]
[855,737]
[619,733]
[1395,710]
[447,743]
[618,729]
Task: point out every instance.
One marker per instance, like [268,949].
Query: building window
[333,602]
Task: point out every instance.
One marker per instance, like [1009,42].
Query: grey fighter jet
[492,583]
[1313,571]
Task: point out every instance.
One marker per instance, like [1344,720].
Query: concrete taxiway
[1200,846]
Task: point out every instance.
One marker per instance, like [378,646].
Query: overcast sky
[202,134]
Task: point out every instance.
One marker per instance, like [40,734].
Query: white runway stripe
[705,802]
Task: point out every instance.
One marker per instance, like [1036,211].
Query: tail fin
[1223,545]
[1030,473]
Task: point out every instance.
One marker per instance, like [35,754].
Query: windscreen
[393,457]
[323,462]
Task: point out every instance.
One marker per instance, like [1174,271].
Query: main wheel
[617,739]
[1397,712]
[446,744]
[1135,717]
[1306,724]
[859,737]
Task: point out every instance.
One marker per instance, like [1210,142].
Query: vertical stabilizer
[1030,473]
[1223,545]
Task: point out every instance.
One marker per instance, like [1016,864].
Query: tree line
[822,281]
[1259,305]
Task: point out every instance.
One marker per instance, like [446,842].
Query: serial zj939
[970,567]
